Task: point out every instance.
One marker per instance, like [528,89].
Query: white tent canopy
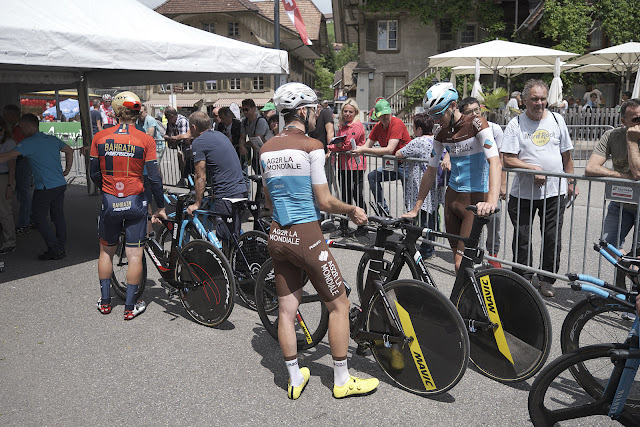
[499,53]
[118,42]
[513,70]
[622,59]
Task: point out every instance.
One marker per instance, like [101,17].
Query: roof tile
[172,7]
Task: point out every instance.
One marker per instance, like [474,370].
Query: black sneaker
[23,230]
[52,254]
[7,250]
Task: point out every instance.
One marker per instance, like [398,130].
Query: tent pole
[58,115]
[278,79]
[464,89]
[85,123]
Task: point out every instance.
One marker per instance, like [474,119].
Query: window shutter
[372,35]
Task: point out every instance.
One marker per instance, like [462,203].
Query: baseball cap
[268,106]
[382,107]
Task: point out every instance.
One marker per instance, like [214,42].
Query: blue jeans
[23,192]
[50,202]
[378,176]
[616,216]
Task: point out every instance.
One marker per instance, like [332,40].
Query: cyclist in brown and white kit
[296,190]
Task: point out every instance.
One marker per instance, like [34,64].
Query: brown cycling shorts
[299,247]
[458,220]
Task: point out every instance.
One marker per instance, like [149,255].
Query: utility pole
[279,78]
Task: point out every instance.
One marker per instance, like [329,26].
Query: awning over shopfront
[225,102]
[180,103]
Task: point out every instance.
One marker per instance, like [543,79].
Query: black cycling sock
[105,289]
[132,290]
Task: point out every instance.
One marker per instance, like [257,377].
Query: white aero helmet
[294,95]
[106,97]
[438,97]
[127,100]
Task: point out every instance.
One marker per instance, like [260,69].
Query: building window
[258,83]
[234,29]
[211,85]
[234,84]
[188,86]
[468,34]
[392,84]
[445,30]
[387,35]
[209,26]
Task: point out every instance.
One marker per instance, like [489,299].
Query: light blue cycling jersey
[469,143]
[291,164]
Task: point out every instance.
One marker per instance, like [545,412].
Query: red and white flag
[293,12]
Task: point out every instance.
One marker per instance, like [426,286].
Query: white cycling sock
[295,376]
[340,372]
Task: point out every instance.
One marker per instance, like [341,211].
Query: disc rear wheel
[518,343]
[436,357]
[210,302]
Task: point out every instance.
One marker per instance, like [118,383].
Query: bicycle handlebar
[604,293]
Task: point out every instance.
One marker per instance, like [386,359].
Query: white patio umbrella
[636,87]
[476,92]
[498,53]
[622,59]
[555,91]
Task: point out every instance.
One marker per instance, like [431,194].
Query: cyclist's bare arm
[325,201]
[426,183]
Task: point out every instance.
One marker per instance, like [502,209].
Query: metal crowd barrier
[582,224]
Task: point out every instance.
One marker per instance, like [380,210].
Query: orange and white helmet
[128,100]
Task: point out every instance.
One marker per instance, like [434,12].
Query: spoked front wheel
[211,302]
[119,273]
[312,318]
[558,394]
[436,357]
[518,342]
[595,321]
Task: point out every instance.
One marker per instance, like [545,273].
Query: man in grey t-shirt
[538,140]
[253,125]
[625,156]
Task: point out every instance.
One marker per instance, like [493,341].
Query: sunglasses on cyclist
[438,116]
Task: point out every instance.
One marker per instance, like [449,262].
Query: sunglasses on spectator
[246,109]
[472,112]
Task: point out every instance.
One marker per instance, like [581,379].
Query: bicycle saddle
[388,222]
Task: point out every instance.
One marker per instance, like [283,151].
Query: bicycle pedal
[170,290]
[362,350]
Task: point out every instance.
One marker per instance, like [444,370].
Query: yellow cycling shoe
[355,387]
[397,359]
[294,392]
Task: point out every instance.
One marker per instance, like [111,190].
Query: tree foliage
[348,53]
[324,81]
[620,19]
[427,11]
[491,17]
[570,22]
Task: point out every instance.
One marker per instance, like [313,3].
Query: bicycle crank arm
[476,325]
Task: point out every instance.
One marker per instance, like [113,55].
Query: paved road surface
[63,363]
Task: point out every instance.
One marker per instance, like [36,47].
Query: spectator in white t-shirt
[538,140]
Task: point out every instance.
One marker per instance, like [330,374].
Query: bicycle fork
[484,293]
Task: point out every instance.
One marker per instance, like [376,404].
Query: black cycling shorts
[300,247]
[118,213]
